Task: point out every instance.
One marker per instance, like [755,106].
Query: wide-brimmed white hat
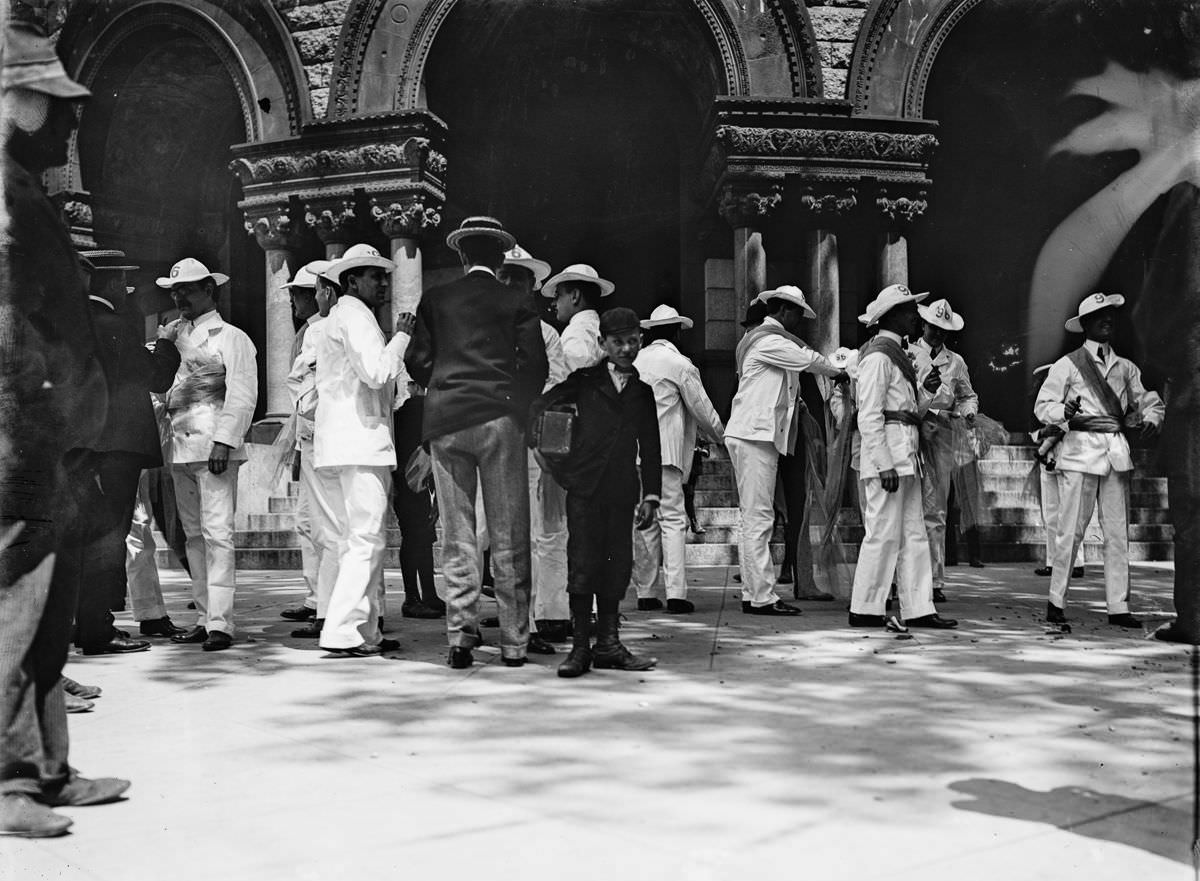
[106,261]
[889,298]
[1090,304]
[939,314]
[187,270]
[356,257]
[306,275]
[665,314]
[518,256]
[31,62]
[791,294]
[577,272]
[480,225]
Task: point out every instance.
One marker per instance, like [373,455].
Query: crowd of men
[565,456]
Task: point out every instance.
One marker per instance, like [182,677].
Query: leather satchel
[555,430]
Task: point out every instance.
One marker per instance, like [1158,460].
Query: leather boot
[579,661]
[974,557]
[609,653]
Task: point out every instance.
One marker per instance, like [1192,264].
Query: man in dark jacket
[615,436]
[478,350]
[129,443]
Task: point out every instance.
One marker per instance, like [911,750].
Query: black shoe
[680,607]
[1125,620]
[163,626]
[417,609]
[778,608]
[118,645]
[785,575]
[487,590]
[578,662]
[1172,632]
[365,650]
[857,620]
[312,631]
[934,622]
[434,602]
[460,658]
[1046,571]
[538,646]
[300,613]
[618,657]
[491,621]
[975,563]
[649,604]
[217,641]
[554,631]
[1055,615]
[1077,572]
[196,634]
[939,595]
[87,692]
[513,662]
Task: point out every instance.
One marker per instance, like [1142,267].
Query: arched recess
[384,46]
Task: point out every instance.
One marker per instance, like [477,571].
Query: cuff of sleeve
[654,499]
[231,442]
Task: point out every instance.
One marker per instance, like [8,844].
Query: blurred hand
[1072,407]
[1149,430]
[218,458]
[933,380]
[406,323]
[890,480]
[170,331]
[647,513]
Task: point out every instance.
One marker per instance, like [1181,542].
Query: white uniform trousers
[141,569]
[206,504]
[935,488]
[755,464]
[660,552]
[317,529]
[548,548]
[1078,495]
[895,542]
[1050,516]
[361,504]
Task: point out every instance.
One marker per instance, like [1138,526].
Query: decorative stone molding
[337,223]
[410,154]
[829,205]
[409,219]
[76,211]
[827,143]
[743,207]
[273,230]
[901,209]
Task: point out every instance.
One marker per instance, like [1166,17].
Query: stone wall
[836,24]
[315,25]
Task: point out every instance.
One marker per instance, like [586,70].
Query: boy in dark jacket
[616,423]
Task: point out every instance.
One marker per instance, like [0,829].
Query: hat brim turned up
[505,238]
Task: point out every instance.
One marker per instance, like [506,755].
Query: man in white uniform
[764,423]
[355,381]
[952,399]
[886,449]
[1099,395]
[683,408]
[577,293]
[210,405]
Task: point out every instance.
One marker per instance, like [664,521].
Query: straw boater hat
[577,272]
[1090,304]
[306,275]
[666,315]
[889,298]
[107,261]
[480,225]
[30,62]
[187,270]
[518,256]
[356,257]
[940,314]
[791,294]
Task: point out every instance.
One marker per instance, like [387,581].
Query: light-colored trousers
[1050,513]
[1078,495]
[935,489]
[490,456]
[660,552]
[141,569]
[317,529]
[206,504]
[360,505]
[755,464]
[895,542]
[548,547]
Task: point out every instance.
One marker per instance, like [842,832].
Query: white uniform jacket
[1094,452]
[765,404]
[581,340]
[194,429]
[356,374]
[302,380]
[955,394]
[554,357]
[879,445]
[683,405]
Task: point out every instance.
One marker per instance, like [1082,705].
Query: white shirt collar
[1101,351]
[476,267]
[212,317]
[586,316]
[102,302]
[314,318]
[891,335]
[771,322]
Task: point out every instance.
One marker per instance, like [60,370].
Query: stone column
[275,236]
[820,248]
[898,215]
[747,212]
[403,223]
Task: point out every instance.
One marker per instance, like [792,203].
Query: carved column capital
[410,218]
[741,206]
[825,205]
[336,222]
[901,209]
[273,229]
[75,209]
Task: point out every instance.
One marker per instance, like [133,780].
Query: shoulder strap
[754,334]
[1083,361]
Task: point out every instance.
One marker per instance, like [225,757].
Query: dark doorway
[577,125]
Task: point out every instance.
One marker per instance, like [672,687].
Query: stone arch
[410,35]
[896,50]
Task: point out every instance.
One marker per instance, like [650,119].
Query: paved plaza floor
[759,749]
